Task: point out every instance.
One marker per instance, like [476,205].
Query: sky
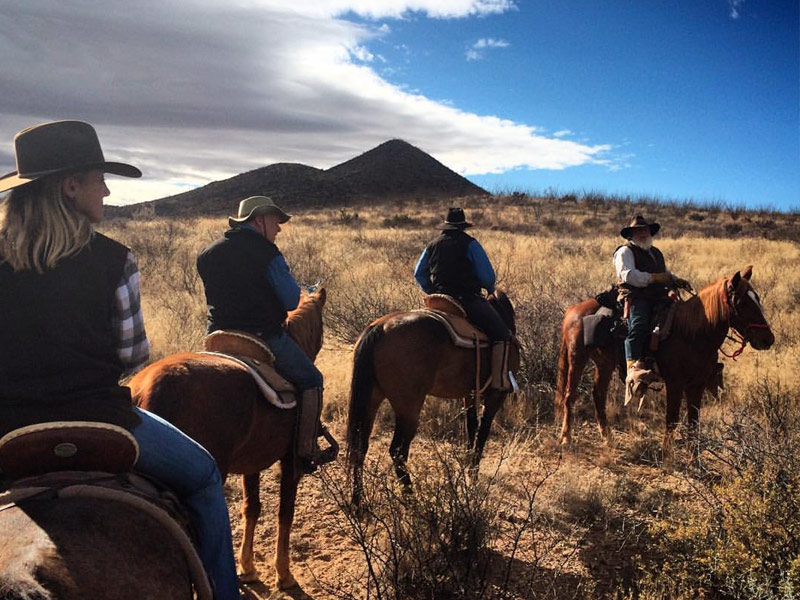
[676,99]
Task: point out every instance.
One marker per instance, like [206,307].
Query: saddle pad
[268,380]
[238,343]
[67,445]
[444,303]
[462,332]
[597,330]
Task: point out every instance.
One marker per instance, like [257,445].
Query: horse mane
[703,313]
[304,324]
[500,302]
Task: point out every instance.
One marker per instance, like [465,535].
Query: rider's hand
[682,284]
[663,278]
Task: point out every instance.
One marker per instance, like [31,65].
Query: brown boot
[500,380]
[307,452]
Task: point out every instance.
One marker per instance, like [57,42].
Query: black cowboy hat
[59,147]
[454,220]
[639,222]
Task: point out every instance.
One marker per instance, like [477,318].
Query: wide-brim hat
[59,147]
[455,220]
[257,205]
[639,222]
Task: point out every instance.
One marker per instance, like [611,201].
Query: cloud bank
[194,91]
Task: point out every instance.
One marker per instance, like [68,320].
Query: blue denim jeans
[183,465]
[293,363]
[639,312]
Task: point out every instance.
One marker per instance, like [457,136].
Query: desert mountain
[393,169]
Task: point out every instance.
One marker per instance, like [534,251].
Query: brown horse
[687,359]
[78,548]
[404,356]
[218,404]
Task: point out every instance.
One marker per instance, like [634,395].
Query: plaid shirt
[127,322]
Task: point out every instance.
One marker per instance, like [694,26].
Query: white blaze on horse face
[754,298]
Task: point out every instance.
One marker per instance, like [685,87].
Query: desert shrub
[696,217]
[345,217]
[441,540]
[743,539]
[733,228]
[401,220]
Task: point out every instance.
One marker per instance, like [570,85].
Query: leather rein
[729,313]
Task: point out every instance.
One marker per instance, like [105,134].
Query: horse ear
[322,294]
[748,272]
[735,280]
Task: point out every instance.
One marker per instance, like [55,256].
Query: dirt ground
[597,503]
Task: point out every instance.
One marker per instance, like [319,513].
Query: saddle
[251,352]
[448,311]
[87,459]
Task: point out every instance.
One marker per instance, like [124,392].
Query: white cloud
[562,133]
[734,8]
[476,51]
[193,91]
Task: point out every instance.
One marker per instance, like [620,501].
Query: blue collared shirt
[281,279]
[477,257]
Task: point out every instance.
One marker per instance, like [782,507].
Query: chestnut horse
[217,403]
[404,356]
[77,548]
[687,359]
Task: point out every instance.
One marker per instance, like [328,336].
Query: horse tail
[361,388]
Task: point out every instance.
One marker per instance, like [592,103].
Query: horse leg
[575,363]
[358,455]
[604,369]
[494,400]
[289,480]
[405,428]
[251,510]
[674,396]
[694,397]
[471,418]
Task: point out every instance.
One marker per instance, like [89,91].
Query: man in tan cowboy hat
[644,282]
[249,288]
[456,264]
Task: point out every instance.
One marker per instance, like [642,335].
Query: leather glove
[682,284]
[663,278]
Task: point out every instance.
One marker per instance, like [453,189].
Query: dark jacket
[451,271]
[58,356]
[647,262]
[238,292]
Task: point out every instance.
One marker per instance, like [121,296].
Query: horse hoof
[287,583]
[250,576]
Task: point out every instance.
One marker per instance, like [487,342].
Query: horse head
[746,315]
[500,302]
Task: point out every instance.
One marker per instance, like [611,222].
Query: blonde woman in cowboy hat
[71,323]
[249,288]
[455,263]
[644,282]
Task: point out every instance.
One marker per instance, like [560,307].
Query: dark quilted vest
[58,358]
[238,293]
[648,262]
[451,271]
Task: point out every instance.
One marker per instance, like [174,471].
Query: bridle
[731,313]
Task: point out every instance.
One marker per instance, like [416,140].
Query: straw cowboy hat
[454,220]
[639,222]
[257,205]
[59,147]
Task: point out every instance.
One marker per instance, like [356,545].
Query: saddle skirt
[86,459]
[448,311]
[250,352]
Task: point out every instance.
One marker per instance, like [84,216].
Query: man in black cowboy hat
[456,264]
[249,288]
[644,282]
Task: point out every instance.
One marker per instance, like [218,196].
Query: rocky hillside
[393,169]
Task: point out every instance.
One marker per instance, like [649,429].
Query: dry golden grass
[593,503]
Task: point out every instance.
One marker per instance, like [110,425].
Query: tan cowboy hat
[257,205]
[59,147]
[639,222]
[455,220]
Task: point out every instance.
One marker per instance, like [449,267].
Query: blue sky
[687,99]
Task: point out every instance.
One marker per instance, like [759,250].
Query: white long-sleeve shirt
[625,267]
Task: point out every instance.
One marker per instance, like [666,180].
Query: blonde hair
[39,226]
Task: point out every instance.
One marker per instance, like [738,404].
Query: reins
[742,339]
